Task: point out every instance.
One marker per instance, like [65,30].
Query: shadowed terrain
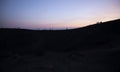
[96,46]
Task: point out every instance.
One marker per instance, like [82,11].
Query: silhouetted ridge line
[92,25]
[98,36]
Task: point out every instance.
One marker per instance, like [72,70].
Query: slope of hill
[94,48]
[90,37]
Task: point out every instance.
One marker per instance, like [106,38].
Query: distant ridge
[101,24]
[98,23]
[104,35]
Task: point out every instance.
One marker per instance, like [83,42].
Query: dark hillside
[98,36]
[95,48]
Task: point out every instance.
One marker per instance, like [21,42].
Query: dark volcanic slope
[99,36]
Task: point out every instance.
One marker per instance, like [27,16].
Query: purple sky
[46,14]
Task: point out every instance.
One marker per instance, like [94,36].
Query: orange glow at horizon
[46,14]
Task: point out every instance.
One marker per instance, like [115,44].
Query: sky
[56,14]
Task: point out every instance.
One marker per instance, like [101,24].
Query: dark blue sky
[57,13]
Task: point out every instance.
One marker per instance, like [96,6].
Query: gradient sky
[46,14]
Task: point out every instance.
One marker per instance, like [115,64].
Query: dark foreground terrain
[94,48]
